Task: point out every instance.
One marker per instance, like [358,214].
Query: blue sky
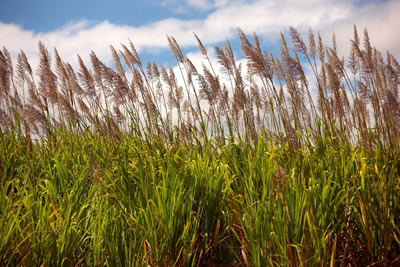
[79,26]
[47,15]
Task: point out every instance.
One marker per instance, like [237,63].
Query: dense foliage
[99,170]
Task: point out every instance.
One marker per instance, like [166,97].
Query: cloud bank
[266,18]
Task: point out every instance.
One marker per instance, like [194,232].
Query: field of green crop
[243,170]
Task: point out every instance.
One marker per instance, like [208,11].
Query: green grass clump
[225,170]
[88,200]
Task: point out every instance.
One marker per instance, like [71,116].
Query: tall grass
[123,165]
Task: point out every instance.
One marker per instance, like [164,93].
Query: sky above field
[81,26]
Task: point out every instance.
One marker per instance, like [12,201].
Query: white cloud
[202,4]
[266,18]
[211,4]
[381,21]
[197,5]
